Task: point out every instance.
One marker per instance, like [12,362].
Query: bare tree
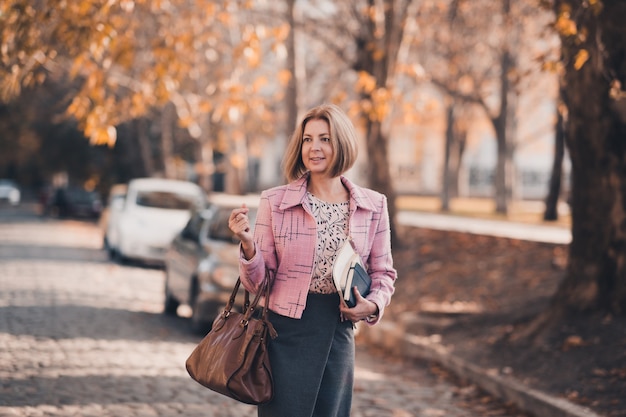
[474,60]
[455,140]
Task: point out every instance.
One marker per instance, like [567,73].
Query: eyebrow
[322,134]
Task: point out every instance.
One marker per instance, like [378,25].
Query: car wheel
[202,315]
[170,306]
[199,323]
[118,257]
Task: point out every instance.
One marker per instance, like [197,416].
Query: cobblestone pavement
[81,336]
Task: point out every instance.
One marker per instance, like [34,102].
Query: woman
[299,227]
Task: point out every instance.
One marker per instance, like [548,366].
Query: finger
[242,209]
[236,217]
[357,294]
[245,223]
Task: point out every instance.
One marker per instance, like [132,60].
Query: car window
[219,230]
[192,229]
[81,196]
[164,200]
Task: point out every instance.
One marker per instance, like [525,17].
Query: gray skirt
[312,362]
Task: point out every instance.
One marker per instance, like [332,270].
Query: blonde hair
[343,139]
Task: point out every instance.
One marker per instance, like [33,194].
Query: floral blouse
[332,232]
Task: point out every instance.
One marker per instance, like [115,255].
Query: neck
[328,189]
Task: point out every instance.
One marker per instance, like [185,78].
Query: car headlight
[14,196]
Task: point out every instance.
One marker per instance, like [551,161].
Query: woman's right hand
[239,224]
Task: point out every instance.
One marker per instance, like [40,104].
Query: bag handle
[264,291]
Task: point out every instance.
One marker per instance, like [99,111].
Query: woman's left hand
[361,311]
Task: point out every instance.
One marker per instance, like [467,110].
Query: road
[81,336]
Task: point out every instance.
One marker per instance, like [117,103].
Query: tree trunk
[291,93]
[506,122]
[500,180]
[167,139]
[455,139]
[206,164]
[458,149]
[143,138]
[378,174]
[551,212]
[595,135]
[449,139]
[377,55]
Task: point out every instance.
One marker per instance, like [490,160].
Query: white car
[111,212]
[147,219]
[10,192]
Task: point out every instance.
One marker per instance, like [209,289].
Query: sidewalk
[393,336]
[501,228]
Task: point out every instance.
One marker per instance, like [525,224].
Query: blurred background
[149,115]
[452,98]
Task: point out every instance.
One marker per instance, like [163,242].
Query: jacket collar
[296,194]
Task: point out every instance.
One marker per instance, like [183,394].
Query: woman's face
[317,150]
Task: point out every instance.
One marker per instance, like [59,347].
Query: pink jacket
[285,237]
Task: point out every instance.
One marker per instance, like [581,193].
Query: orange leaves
[260,82]
[129,56]
[102,136]
[79,107]
[127,5]
[596,6]
[568,28]
[553,66]
[93,116]
[284,76]
[571,342]
[366,82]
[616,92]
[581,57]
[377,103]
[564,25]
[281,32]
[251,45]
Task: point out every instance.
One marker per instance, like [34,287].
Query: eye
[307,139]
[325,139]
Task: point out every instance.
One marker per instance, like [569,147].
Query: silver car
[202,262]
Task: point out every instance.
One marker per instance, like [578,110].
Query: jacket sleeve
[380,263]
[252,271]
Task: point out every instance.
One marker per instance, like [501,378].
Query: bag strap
[268,283]
[231,300]
[264,291]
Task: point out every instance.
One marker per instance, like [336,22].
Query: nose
[315,144]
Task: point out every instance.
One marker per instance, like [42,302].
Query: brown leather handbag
[232,359]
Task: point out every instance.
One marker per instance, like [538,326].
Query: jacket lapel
[358,197]
[296,192]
